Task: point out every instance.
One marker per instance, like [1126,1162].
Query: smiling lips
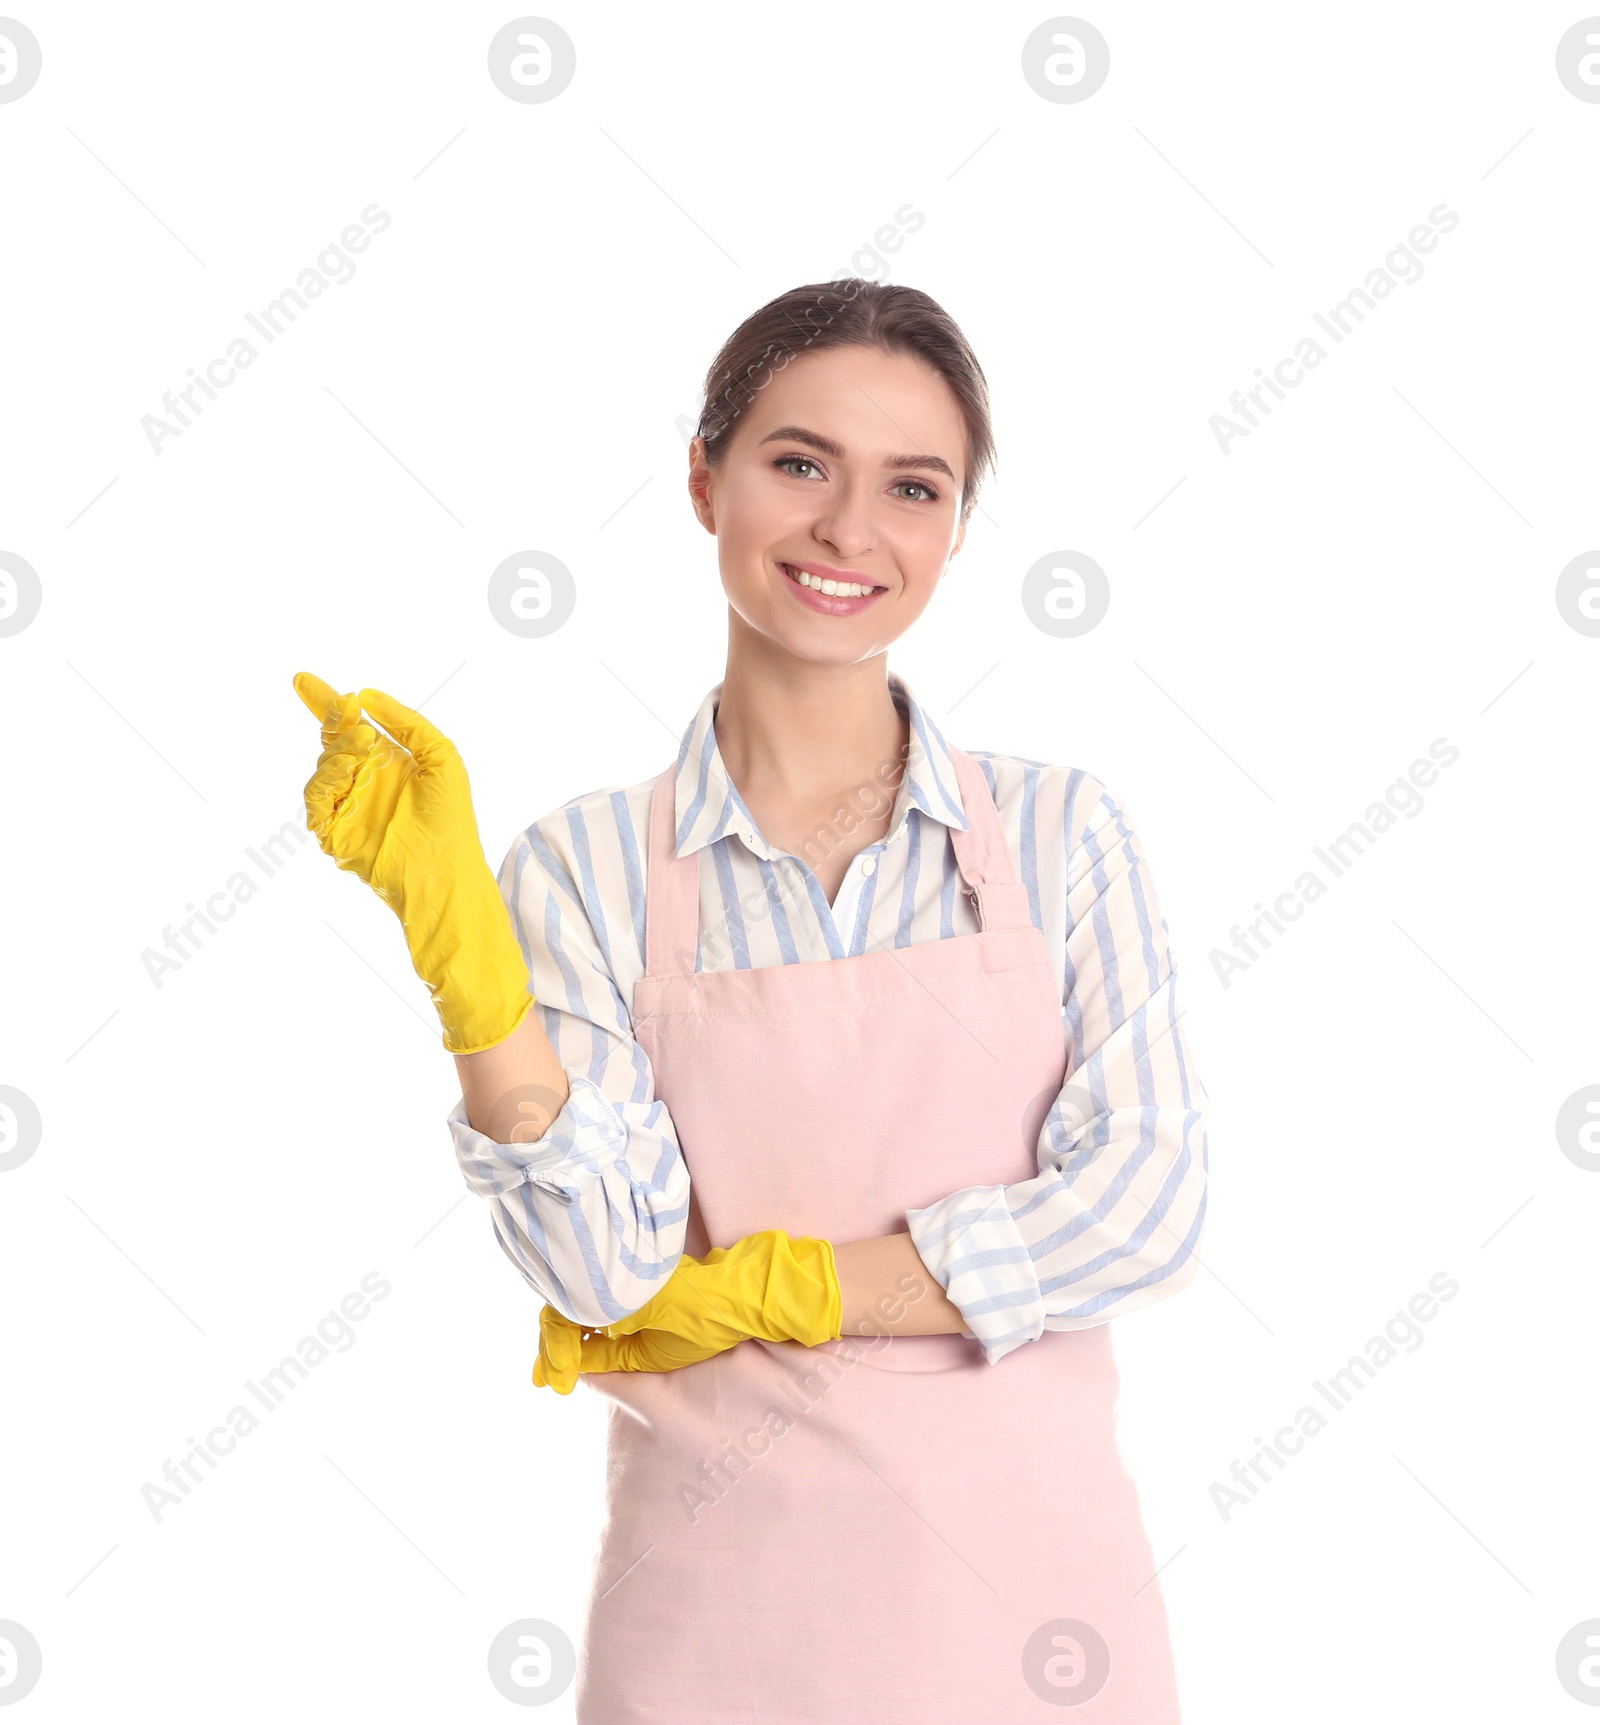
[837,592]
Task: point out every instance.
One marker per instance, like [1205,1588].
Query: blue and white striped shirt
[594,1213]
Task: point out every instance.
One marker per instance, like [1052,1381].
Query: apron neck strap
[672,889]
[982,854]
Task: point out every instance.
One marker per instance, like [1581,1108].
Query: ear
[961,537]
[700,484]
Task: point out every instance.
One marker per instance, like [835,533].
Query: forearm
[885,1289]
[516,1088]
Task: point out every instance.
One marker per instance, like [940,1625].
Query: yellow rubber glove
[567,1350]
[397,811]
[770,1285]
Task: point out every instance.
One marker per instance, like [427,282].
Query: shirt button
[868,864]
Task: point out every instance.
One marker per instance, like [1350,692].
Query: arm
[514,1090]
[559,1127]
[885,1289]
[1111,1221]
[589,1190]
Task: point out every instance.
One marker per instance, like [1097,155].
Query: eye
[787,464]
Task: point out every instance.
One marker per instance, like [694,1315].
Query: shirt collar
[709,807]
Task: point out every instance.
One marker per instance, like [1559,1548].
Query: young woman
[855,1105]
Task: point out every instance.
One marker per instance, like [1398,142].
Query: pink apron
[885,1530]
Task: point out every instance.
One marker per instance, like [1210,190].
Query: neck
[797,732]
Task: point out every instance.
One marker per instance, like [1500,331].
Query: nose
[845,522]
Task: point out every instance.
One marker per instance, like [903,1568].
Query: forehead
[864,399]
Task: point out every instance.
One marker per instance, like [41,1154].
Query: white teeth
[840,589]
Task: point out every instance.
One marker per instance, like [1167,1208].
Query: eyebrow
[826,446]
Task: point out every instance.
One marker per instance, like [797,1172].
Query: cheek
[922,551]
[757,520]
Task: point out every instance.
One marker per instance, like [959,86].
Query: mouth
[835,598]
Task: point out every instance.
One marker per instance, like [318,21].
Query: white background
[226,1156]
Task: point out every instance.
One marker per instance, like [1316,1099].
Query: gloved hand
[567,1350]
[399,814]
[769,1285]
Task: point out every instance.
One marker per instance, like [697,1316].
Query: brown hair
[842,313]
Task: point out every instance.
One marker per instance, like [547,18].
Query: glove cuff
[804,1287]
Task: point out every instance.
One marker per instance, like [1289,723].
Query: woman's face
[847,466]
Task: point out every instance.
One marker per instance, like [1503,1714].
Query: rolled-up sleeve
[593,1214]
[1113,1219]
